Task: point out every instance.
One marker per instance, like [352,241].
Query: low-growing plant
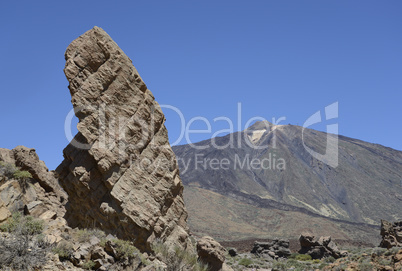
[125,248]
[303,257]
[26,224]
[22,175]
[322,265]
[64,249]
[7,170]
[293,256]
[378,251]
[365,266]
[22,249]
[88,265]
[384,261]
[11,223]
[295,265]
[279,266]
[85,235]
[245,262]
[341,267]
[178,258]
[329,259]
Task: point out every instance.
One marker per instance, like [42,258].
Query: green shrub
[378,251]
[365,266]
[279,266]
[316,261]
[322,265]
[88,265]
[329,259]
[293,256]
[245,262]
[22,175]
[26,224]
[11,223]
[385,261]
[85,235]
[177,259]
[303,257]
[64,249]
[125,249]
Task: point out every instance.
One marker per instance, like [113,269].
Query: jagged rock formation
[278,248]
[119,172]
[391,234]
[42,197]
[320,247]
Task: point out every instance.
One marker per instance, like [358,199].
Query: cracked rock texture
[119,171]
[391,234]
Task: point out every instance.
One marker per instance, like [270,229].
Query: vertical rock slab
[119,171]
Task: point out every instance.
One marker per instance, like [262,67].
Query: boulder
[119,171]
[211,252]
[278,248]
[232,252]
[320,247]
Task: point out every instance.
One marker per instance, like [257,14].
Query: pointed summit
[119,171]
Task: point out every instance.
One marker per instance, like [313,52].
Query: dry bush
[23,248]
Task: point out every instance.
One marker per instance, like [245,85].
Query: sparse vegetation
[27,225]
[64,249]
[365,266]
[245,262]
[303,257]
[125,249]
[88,265]
[22,177]
[7,170]
[24,248]
[329,259]
[84,235]
[177,259]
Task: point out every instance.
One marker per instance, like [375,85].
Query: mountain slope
[269,166]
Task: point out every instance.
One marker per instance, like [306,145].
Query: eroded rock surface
[391,234]
[278,248]
[119,172]
[212,253]
[319,247]
[40,197]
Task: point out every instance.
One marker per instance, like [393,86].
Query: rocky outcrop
[28,160]
[119,171]
[278,248]
[40,197]
[320,247]
[212,253]
[391,234]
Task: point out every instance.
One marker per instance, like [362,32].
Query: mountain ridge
[364,188]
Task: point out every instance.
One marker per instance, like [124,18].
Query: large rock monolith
[119,171]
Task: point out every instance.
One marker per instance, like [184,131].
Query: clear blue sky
[278,58]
